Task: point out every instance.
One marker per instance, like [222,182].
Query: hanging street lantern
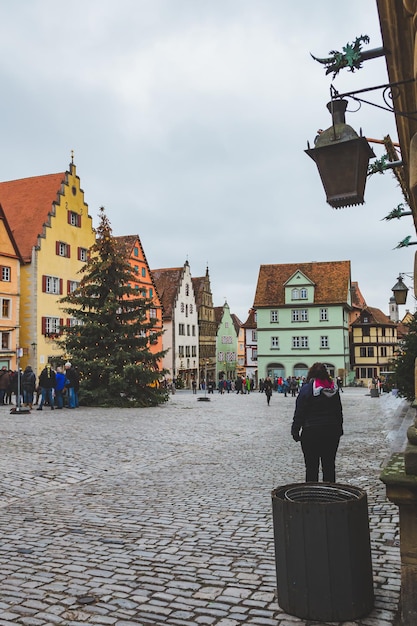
[342,158]
[400,291]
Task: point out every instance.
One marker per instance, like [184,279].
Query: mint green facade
[226,347]
[294,336]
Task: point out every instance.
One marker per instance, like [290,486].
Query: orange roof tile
[27,203]
[331,280]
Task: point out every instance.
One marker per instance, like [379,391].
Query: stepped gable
[27,204]
[331,280]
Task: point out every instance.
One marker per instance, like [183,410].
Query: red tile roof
[331,280]
[376,316]
[27,204]
[167,283]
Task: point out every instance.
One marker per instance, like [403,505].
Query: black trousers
[320,445]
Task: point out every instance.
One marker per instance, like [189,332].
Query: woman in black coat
[318,423]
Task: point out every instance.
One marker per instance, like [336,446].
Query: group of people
[54,388]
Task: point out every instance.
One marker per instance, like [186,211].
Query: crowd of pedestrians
[56,389]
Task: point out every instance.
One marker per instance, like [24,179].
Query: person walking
[60,379]
[4,383]
[28,386]
[318,423]
[47,381]
[72,385]
[268,389]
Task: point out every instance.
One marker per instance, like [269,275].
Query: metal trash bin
[322,551]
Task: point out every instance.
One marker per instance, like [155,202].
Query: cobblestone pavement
[163,515]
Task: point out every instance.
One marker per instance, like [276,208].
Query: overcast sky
[189,120]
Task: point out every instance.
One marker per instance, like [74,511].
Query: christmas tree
[404,364]
[110,332]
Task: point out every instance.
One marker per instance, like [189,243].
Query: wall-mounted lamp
[342,158]
[33,346]
[400,291]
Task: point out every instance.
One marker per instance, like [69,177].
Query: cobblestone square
[163,515]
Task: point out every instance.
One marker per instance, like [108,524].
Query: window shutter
[68,321]
[61,287]
[78,220]
[44,283]
[68,287]
[69,217]
[79,253]
[61,323]
[57,247]
[68,250]
[44,326]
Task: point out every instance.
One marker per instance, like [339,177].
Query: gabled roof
[127,243]
[236,323]
[250,322]
[331,280]
[358,301]
[13,243]
[376,316]
[27,204]
[167,282]
[198,286]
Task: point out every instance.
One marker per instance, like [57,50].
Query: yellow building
[9,295]
[53,231]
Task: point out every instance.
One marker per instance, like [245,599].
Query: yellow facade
[54,271]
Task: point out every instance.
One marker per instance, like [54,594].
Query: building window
[193,330]
[152,314]
[82,254]
[299,315]
[300,342]
[187,351]
[181,329]
[226,339]
[6,307]
[384,351]
[254,335]
[74,321]
[74,219]
[299,294]
[72,285]
[274,316]
[51,325]
[187,289]
[5,274]
[371,351]
[362,352]
[324,341]
[366,332]
[5,341]
[275,342]
[191,309]
[135,251]
[254,354]
[52,284]
[181,351]
[150,292]
[182,307]
[324,315]
[63,249]
[193,350]
[136,269]
[188,330]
